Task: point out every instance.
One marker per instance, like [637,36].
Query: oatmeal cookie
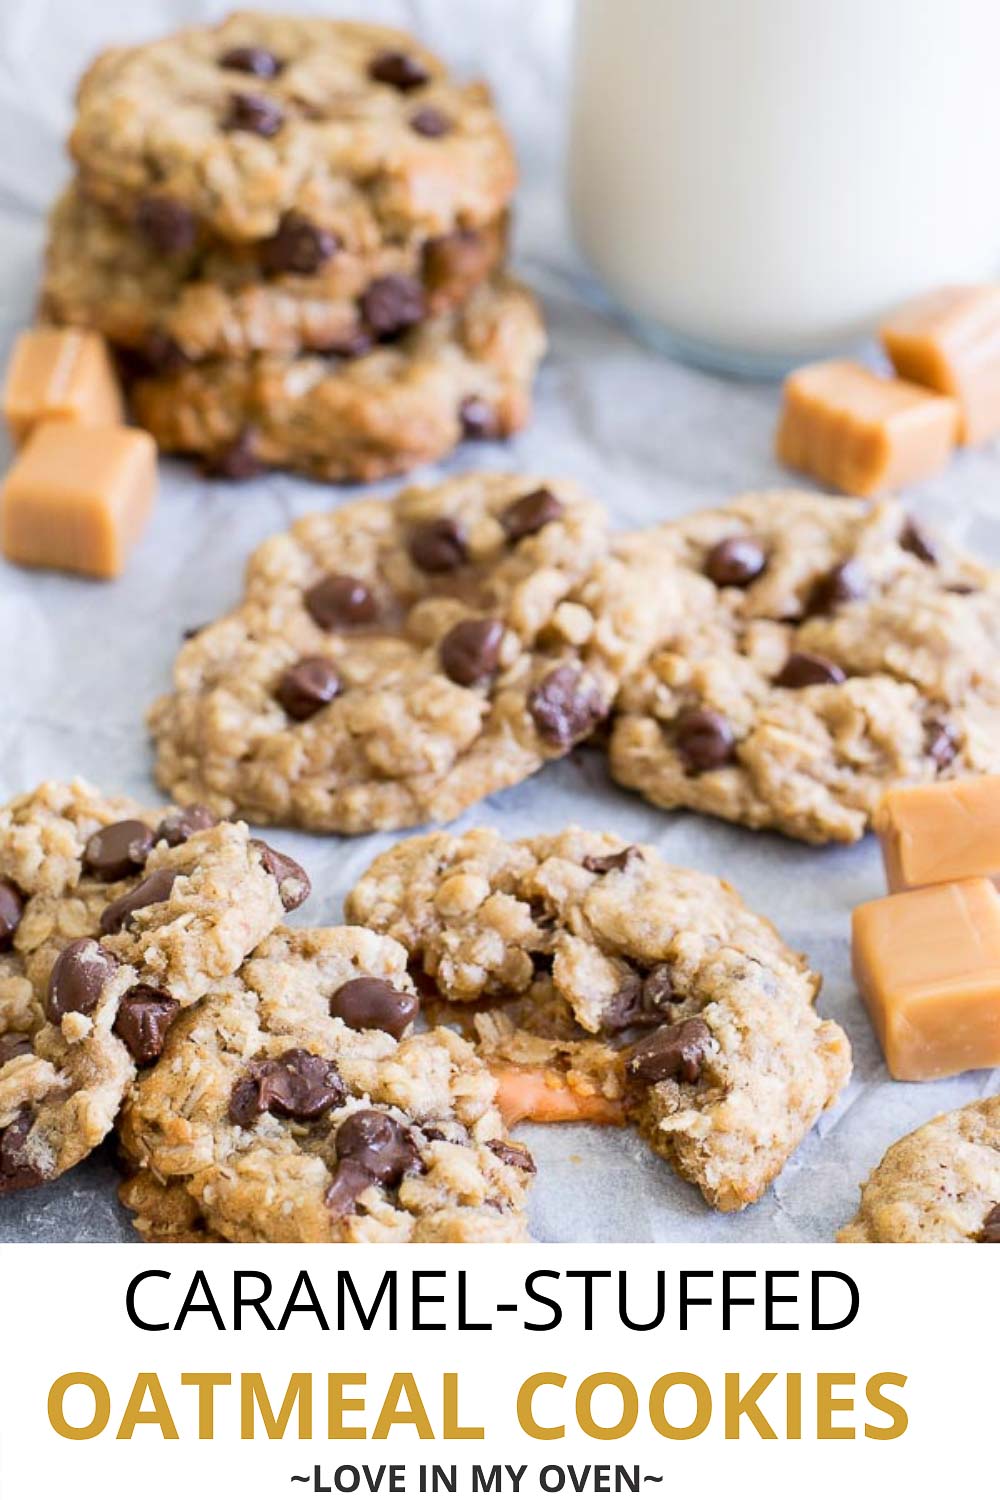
[731,1066]
[940,1183]
[214,299]
[288,1113]
[228,129]
[466,374]
[395,661]
[820,652]
[112,919]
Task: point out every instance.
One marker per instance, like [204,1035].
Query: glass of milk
[756,182]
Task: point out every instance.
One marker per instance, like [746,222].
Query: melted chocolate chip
[14,1044]
[479,420]
[238,460]
[564,708]
[294,884]
[438,546]
[307,687]
[470,652]
[349,1182]
[254,113]
[530,513]
[671,1052]
[183,822]
[167,225]
[143,1020]
[378,1144]
[624,1009]
[513,1156]
[255,60]
[941,743]
[913,538]
[299,247]
[841,585]
[391,304]
[658,987]
[156,887]
[806,669]
[703,739]
[16,1168]
[339,601]
[296,1086]
[78,977]
[735,562]
[11,912]
[399,70]
[118,850]
[600,864]
[430,122]
[374,1005]
[990,1232]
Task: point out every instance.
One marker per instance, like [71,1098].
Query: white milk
[761,180]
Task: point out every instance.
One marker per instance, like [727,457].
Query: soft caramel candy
[859,432]
[927,964]
[949,341]
[947,830]
[78,498]
[61,373]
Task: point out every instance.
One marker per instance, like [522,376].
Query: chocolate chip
[255,60]
[564,708]
[399,70]
[11,912]
[339,601]
[529,514]
[299,247]
[118,850]
[735,562]
[658,987]
[162,354]
[439,546]
[14,1044]
[349,1182]
[470,652]
[913,538]
[78,977]
[238,460]
[391,304]
[374,1005]
[378,1144]
[294,884]
[183,823]
[513,1156]
[16,1169]
[255,113]
[430,122]
[307,687]
[624,1008]
[990,1232]
[600,864]
[143,1020]
[156,887]
[296,1086]
[840,585]
[479,420]
[350,345]
[703,739]
[671,1052]
[806,669]
[941,743]
[168,226]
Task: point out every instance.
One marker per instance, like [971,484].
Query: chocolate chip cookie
[940,1183]
[209,299]
[395,661]
[112,919]
[287,1110]
[725,1064]
[818,653]
[228,130]
[466,374]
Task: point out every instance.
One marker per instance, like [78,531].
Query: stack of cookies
[294,230]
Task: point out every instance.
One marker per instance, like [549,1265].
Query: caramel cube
[946,830]
[927,964]
[60,373]
[861,433]
[949,341]
[78,498]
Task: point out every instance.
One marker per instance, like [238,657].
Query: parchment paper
[80,661]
